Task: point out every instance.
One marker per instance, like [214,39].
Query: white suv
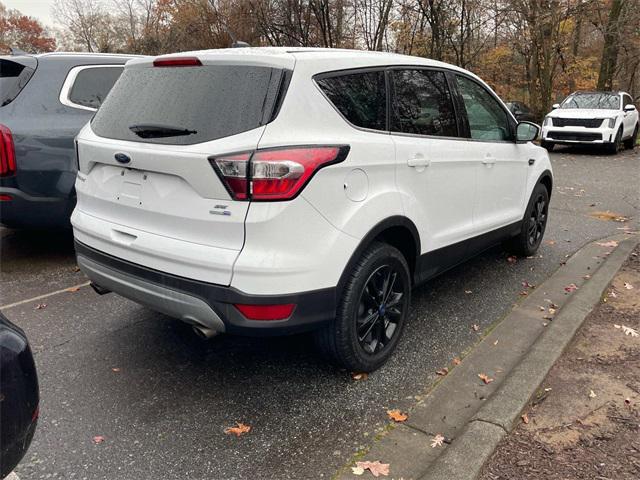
[592,118]
[274,190]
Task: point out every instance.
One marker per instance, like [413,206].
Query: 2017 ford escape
[275,190]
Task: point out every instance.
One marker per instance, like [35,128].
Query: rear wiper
[145,130]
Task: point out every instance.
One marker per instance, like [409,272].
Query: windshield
[608,101]
[186,105]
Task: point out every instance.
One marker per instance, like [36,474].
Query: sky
[40,9]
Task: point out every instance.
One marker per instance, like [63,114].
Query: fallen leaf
[613,294]
[524,294]
[572,287]
[76,268]
[592,394]
[551,242]
[609,244]
[456,361]
[587,277]
[376,468]
[443,372]
[357,470]
[628,286]
[98,439]
[73,289]
[512,259]
[547,317]
[475,327]
[495,343]
[552,311]
[616,217]
[397,415]
[525,418]
[115,369]
[240,429]
[359,376]
[486,379]
[526,284]
[628,330]
[437,441]
[40,306]
[468,292]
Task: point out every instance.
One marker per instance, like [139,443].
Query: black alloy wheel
[380,309]
[373,307]
[537,220]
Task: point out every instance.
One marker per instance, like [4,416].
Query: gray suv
[44,101]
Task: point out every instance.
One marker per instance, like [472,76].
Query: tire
[548,145]
[527,242]
[366,330]
[616,146]
[630,143]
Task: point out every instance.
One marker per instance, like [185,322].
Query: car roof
[318,59]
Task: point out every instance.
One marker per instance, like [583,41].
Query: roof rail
[15,51]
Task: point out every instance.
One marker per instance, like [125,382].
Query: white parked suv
[274,190]
[593,118]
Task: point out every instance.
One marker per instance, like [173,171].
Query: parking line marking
[46,295]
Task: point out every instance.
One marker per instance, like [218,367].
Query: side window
[91,85]
[360,97]
[422,104]
[487,119]
[626,100]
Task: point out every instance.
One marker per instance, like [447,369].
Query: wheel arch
[546,179]
[398,231]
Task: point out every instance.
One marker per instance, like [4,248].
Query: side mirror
[555,105]
[629,108]
[527,132]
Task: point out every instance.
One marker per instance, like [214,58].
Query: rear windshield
[13,78]
[186,105]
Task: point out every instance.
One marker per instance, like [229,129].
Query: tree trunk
[611,47]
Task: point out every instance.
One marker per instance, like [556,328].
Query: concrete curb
[464,459]
[517,353]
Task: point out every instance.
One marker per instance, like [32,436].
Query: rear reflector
[275,173]
[177,62]
[7,152]
[266,312]
[5,198]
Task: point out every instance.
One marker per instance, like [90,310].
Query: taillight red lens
[177,62]
[7,152]
[274,174]
[266,312]
[233,170]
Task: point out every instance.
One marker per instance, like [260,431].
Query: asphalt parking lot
[161,397]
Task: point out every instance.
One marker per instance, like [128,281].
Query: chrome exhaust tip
[204,332]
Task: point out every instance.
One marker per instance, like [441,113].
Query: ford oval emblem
[122,157]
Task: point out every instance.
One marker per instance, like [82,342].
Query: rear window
[13,77]
[187,105]
[359,97]
[92,84]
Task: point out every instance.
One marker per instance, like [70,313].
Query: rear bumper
[198,302]
[27,211]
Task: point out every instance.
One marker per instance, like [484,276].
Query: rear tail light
[7,152]
[177,62]
[274,174]
[266,312]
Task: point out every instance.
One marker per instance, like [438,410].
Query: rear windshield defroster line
[214,101]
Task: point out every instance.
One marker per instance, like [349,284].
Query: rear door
[501,164]
[146,162]
[434,163]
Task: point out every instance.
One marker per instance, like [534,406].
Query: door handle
[418,161]
[488,160]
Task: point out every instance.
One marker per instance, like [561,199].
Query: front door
[501,164]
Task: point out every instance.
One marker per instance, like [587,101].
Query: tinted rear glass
[212,101]
[92,85]
[360,97]
[13,78]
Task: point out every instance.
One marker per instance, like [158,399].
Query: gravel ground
[162,398]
